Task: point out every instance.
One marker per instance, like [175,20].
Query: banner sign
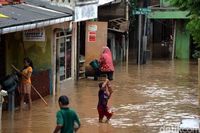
[85,12]
[92,32]
[34,35]
[92,36]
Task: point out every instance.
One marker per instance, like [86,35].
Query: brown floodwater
[151,98]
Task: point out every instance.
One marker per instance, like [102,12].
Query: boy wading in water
[67,119]
[105,92]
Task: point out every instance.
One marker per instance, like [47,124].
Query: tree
[132,16]
[193,6]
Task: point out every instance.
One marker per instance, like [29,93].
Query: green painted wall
[182,42]
[39,52]
[164,3]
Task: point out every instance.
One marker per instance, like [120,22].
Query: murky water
[152,98]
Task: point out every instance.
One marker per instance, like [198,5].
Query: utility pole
[127,33]
[139,38]
[174,41]
[78,50]
[142,37]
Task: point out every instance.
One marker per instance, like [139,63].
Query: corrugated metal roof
[26,14]
[47,4]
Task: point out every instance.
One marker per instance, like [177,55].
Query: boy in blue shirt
[104,94]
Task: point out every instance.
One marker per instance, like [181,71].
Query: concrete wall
[94,49]
[43,54]
[39,52]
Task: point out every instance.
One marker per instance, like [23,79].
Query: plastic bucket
[94,64]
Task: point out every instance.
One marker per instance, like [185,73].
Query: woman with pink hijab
[106,63]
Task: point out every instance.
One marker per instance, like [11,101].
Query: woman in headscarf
[106,63]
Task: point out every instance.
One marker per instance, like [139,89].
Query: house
[169,37]
[36,32]
[160,32]
[116,13]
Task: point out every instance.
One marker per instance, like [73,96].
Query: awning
[168,14]
[25,16]
[50,5]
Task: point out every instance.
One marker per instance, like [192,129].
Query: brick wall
[41,82]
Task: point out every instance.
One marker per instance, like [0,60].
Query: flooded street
[151,98]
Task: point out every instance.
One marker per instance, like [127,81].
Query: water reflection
[146,99]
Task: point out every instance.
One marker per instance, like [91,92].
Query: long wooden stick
[31,84]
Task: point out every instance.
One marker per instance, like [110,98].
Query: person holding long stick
[25,84]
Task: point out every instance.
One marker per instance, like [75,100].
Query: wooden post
[174,41]
[127,35]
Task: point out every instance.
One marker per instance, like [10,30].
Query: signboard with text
[142,11]
[34,35]
[85,12]
[92,32]
[92,36]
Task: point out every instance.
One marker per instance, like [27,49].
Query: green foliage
[194,27]
[196,54]
[132,17]
[191,5]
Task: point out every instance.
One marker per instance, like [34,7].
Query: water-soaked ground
[152,98]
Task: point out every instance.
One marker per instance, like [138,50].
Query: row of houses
[63,36]
[160,32]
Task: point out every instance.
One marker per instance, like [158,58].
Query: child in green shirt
[67,119]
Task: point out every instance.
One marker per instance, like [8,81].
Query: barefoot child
[104,94]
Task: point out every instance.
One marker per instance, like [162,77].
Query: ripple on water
[121,122]
[115,122]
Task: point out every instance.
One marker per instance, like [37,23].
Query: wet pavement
[152,98]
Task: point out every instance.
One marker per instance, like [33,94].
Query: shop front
[35,38]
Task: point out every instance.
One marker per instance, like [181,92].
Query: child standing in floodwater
[104,95]
[25,85]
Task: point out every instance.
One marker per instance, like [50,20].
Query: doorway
[64,53]
[163,31]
